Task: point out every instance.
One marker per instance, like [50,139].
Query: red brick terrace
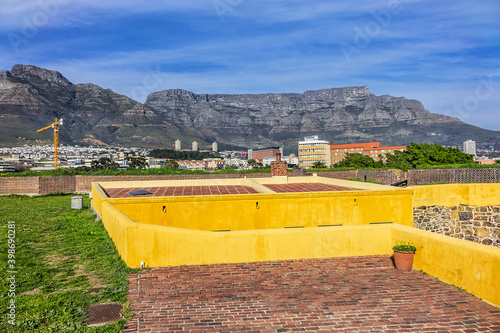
[223,189]
[357,294]
[182,190]
[307,187]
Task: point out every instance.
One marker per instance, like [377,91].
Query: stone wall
[79,184]
[477,224]
[83,183]
[54,184]
[386,177]
[19,185]
[450,176]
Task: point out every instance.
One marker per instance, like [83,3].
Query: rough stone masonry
[477,224]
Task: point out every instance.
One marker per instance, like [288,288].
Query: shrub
[403,246]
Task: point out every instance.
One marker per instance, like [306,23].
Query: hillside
[30,98]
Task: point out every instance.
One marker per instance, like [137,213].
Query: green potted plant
[403,255]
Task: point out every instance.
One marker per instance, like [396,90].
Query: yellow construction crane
[55,126]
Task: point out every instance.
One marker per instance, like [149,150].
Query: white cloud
[426,52]
[16,15]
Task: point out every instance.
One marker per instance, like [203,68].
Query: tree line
[416,156]
[181,155]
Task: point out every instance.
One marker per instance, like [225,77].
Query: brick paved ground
[307,187]
[182,190]
[357,294]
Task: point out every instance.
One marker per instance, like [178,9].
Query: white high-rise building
[470,147]
[178,145]
[312,149]
[194,146]
[214,147]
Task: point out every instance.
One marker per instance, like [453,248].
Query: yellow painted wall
[165,246]
[371,204]
[474,267]
[471,266]
[98,197]
[267,211]
[450,195]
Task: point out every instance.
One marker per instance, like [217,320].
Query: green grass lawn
[64,260]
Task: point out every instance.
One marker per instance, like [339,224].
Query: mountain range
[31,97]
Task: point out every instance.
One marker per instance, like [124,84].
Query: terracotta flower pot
[403,260]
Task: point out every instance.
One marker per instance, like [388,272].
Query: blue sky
[444,53]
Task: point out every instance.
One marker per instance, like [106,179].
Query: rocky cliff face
[340,114]
[30,98]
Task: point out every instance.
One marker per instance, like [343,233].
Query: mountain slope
[31,97]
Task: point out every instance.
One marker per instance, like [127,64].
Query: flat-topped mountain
[339,114]
[30,97]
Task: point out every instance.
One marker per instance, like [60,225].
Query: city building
[214,147]
[5,167]
[484,160]
[240,163]
[194,146]
[291,159]
[267,160]
[156,163]
[372,149]
[312,150]
[192,165]
[470,147]
[260,154]
[214,164]
[178,145]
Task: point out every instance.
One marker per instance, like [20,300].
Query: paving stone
[356,294]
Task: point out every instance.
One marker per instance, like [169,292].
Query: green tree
[181,155]
[171,165]
[104,163]
[257,165]
[136,163]
[319,165]
[398,160]
[421,155]
[357,160]
[251,161]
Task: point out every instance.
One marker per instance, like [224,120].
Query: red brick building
[260,154]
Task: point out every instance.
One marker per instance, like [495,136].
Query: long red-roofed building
[372,149]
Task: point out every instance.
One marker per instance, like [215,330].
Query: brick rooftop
[356,294]
[223,189]
[307,187]
[182,190]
